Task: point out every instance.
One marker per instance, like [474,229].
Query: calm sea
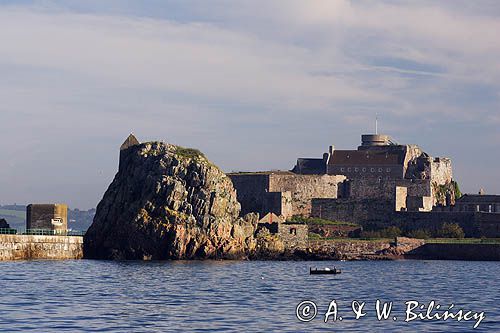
[245,296]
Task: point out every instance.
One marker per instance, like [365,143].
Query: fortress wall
[375,213]
[303,188]
[18,247]
[441,171]
[361,211]
[250,191]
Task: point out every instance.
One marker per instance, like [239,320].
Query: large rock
[169,202]
[4,224]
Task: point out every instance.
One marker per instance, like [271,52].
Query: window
[372,169]
[342,169]
[348,169]
[293,231]
[379,169]
[388,170]
[364,169]
[356,169]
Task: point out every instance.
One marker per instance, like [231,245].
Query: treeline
[447,230]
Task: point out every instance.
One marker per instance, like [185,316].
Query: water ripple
[229,296]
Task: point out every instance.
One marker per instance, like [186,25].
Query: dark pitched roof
[481,198]
[310,166]
[366,157]
[130,141]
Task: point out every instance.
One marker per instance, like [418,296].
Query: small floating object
[325,270]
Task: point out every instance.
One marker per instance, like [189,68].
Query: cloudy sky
[253,84]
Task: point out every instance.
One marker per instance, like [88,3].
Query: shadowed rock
[169,202]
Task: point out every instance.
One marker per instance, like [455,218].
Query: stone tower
[130,141]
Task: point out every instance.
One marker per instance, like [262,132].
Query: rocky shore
[170,202]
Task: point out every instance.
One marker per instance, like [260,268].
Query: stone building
[47,217]
[486,203]
[293,235]
[380,168]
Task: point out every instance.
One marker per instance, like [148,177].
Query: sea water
[246,296]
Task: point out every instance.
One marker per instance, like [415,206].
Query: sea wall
[17,247]
[346,250]
[445,251]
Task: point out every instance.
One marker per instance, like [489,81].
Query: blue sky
[254,84]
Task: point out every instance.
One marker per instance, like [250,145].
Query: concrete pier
[19,247]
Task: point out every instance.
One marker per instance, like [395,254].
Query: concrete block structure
[47,217]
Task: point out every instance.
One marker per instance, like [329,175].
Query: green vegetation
[318,221]
[458,193]
[419,233]
[313,235]
[390,232]
[450,230]
[189,152]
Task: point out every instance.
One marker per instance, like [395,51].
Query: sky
[253,84]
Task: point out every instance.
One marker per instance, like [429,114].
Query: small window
[388,170]
[364,169]
[348,169]
[356,169]
[342,169]
[372,169]
[379,169]
[293,231]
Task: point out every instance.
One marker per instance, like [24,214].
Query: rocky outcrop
[169,202]
[4,224]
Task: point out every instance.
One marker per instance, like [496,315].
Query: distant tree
[451,230]
[391,232]
[419,233]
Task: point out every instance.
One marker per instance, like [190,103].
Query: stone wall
[16,247]
[448,251]
[303,188]
[361,211]
[441,171]
[293,235]
[374,213]
[255,191]
[250,191]
[348,249]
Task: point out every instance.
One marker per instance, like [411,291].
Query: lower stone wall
[334,230]
[376,214]
[348,249]
[18,247]
[457,252]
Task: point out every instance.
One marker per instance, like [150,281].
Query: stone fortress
[381,183]
[402,175]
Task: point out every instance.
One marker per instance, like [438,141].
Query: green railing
[41,232]
[8,231]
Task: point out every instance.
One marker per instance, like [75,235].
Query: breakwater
[18,247]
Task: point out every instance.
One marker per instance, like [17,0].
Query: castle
[402,177]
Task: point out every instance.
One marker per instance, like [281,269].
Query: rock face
[4,224]
[169,202]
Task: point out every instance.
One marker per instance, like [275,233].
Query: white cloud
[236,80]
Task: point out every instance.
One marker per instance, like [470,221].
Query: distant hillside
[15,215]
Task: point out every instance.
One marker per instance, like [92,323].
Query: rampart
[294,192]
[18,247]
